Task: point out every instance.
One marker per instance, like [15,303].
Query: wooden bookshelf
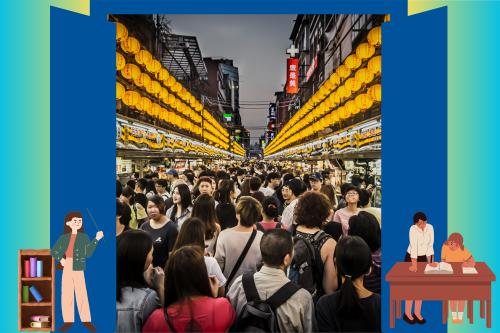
[45,286]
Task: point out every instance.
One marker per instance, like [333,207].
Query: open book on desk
[442,268]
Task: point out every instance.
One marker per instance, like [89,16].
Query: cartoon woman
[71,250]
[421,249]
[453,250]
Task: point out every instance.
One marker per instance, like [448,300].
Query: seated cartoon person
[453,250]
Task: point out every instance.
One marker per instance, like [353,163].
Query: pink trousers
[73,285]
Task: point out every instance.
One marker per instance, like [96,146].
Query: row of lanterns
[156,83]
[339,97]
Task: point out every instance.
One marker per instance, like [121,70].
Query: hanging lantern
[163,74]
[177,87]
[363,101]
[131,98]
[375,65]
[352,62]
[387,18]
[120,90]
[352,84]
[153,87]
[365,51]
[143,80]
[131,71]
[364,75]
[155,110]
[171,99]
[375,36]
[337,97]
[170,82]
[130,45]
[343,113]
[143,57]
[342,92]
[375,92]
[120,61]
[153,66]
[343,71]
[334,80]
[145,105]
[328,86]
[332,99]
[164,95]
[351,108]
[121,32]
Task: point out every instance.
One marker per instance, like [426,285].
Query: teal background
[473,138]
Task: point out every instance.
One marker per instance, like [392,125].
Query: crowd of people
[247,247]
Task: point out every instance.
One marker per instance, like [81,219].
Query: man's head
[206,186]
[255,184]
[161,186]
[273,180]
[316,180]
[292,189]
[276,248]
[140,185]
[172,175]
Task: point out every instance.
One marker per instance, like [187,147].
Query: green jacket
[83,249]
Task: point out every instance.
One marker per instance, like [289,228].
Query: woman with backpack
[353,308]
[269,215]
[311,213]
[190,297]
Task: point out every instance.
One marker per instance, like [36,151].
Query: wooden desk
[406,285]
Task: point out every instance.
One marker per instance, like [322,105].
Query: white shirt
[287,218]
[421,241]
[213,268]
[267,191]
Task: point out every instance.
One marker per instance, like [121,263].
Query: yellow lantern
[375,65]
[121,32]
[120,90]
[163,74]
[120,61]
[154,87]
[352,84]
[335,116]
[130,45]
[155,110]
[364,75]
[334,80]
[170,81]
[171,99]
[131,71]
[343,71]
[164,95]
[131,98]
[351,108]
[145,105]
[365,51]
[331,99]
[363,101]
[375,36]
[387,18]
[342,112]
[328,86]
[352,62]
[337,97]
[143,80]
[143,57]
[375,92]
[177,87]
[342,92]
[153,66]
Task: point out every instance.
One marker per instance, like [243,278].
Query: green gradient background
[473,138]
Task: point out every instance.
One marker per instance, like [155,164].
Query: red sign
[292,76]
[311,69]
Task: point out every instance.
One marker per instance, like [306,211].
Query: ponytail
[348,299]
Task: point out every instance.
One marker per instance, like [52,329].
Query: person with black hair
[269,215]
[190,297]
[225,210]
[296,313]
[161,187]
[123,216]
[343,215]
[353,308]
[119,188]
[150,188]
[278,192]
[182,206]
[162,231]
[365,225]
[291,192]
[204,209]
[365,205]
[255,183]
[138,286]
[343,190]
[271,184]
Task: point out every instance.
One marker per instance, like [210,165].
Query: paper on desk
[469,270]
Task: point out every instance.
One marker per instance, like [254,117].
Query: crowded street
[241,205]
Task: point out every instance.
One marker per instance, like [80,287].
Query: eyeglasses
[352,193]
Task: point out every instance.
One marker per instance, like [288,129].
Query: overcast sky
[257,46]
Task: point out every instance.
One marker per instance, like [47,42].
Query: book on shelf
[40,318]
[469,270]
[441,268]
[27,269]
[33,267]
[25,296]
[39,268]
[40,324]
[36,294]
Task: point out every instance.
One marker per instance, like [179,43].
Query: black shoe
[419,321]
[408,320]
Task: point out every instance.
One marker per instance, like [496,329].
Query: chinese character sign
[292,76]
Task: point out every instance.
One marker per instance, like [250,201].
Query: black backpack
[259,315]
[307,268]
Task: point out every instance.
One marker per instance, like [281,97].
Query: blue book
[36,294]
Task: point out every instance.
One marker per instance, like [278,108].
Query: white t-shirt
[267,191]
[421,241]
[213,268]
